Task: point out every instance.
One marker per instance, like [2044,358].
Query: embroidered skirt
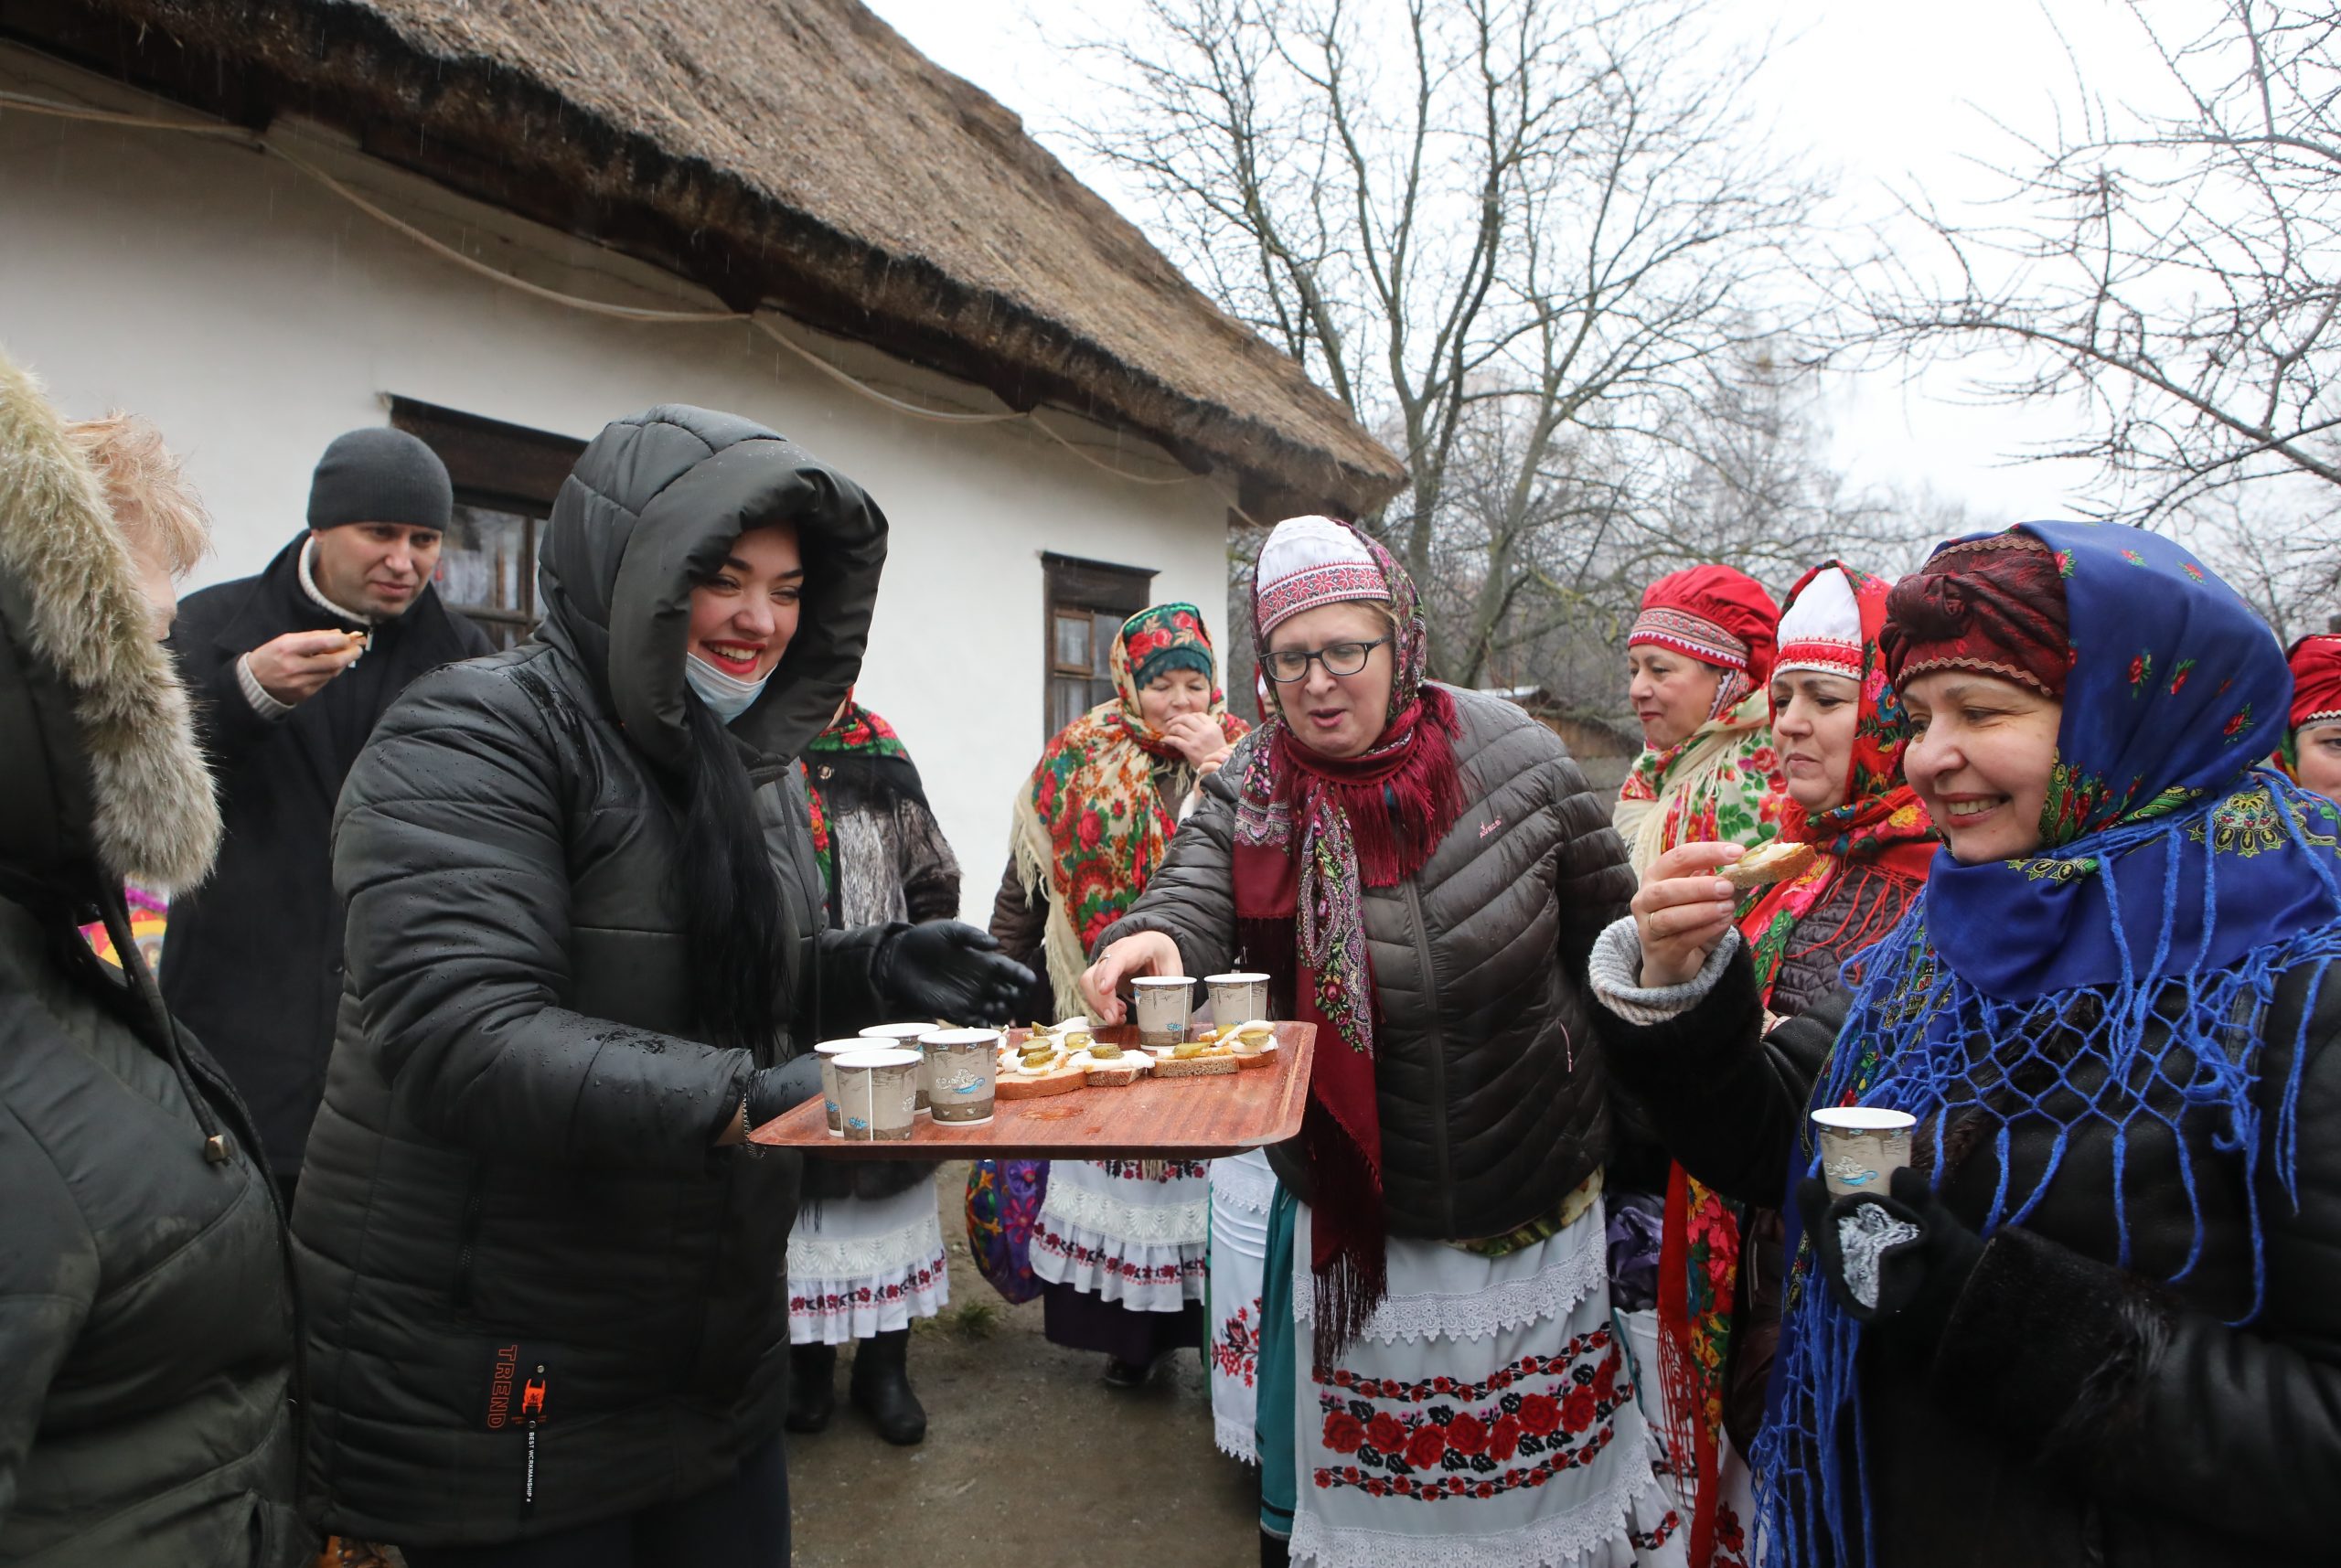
[1127,1231]
[1485,1418]
[1242,1191]
[862,1266]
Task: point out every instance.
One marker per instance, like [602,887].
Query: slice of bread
[1194,1066]
[1256,1059]
[1116,1077]
[1773,862]
[1063,1081]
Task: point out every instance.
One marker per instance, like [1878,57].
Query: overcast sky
[1885,96]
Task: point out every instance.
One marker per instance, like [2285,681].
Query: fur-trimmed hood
[99,763]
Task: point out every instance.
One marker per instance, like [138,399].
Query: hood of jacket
[650,509]
[98,758]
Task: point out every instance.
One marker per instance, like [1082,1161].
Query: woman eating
[1119,1245]
[2094,1320]
[1420,870]
[1698,662]
[1840,734]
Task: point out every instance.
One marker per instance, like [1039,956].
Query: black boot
[1275,1552]
[812,1387]
[881,1388]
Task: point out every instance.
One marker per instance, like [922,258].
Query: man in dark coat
[289,670]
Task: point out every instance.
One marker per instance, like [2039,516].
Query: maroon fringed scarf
[1313,832]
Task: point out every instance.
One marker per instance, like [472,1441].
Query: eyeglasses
[1289,665]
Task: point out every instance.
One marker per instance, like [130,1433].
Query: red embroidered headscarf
[2316,678]
[1718,616]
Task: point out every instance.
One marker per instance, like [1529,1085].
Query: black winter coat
[146,1314]
[2071,1413]
[253,963]
[1486,1079]
[513,1177]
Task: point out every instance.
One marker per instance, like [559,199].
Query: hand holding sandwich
[296,667]
[1691,895]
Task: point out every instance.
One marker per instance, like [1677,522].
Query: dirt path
[1029,1460]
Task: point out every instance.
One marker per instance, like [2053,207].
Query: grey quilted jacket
[1490,1085]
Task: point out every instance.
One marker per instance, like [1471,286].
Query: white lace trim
[1244,1182]
[1186,1223]
[1236,1439]
[1550,1292]
[1594,1532]
[886,1254]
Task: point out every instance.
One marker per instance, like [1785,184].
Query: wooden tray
[1195,1118]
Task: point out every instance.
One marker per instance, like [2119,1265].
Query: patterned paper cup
[829,1051]
[905,1037]
[1861,1147]
[878,1091]
[962,1071]
[1238,999]
[1162,1004]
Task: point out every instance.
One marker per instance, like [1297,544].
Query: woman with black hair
[586,950]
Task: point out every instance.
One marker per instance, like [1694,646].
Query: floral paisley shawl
[1090,827]
[1722,783]
[856,731]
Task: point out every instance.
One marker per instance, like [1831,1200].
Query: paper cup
[905,1037]
[962,1073]
[1861,1147]
[877,1092]
[829,1051]
[1238,999]
[1162,1004]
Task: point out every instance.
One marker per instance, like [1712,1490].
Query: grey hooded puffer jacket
[146,1314]
[520,1237]
[1489,1083]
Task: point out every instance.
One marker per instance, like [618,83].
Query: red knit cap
[2317,679]
[1994,604]
[1715,613]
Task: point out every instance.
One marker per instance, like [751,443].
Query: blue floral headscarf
[2177,884]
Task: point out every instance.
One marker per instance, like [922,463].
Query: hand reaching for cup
[1684,910]
[1147,952]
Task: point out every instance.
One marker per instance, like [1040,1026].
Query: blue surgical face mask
[726,696]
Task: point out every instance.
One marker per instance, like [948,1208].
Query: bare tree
[2175,263]
[1517,237]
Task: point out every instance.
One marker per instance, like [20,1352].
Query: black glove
[1898,1262]
[773,1092]
[953,972]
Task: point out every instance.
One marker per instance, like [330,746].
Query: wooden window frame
[500,467]
[1094,588]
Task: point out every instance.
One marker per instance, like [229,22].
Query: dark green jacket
[512,1179]
[147,1317]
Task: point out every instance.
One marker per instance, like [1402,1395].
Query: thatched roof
[795,153]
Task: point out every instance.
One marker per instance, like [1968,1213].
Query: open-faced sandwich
[1768,863]
[1195,1058]
[1254,1042]
[1035,1067]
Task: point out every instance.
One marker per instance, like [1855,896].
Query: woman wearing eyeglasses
[1118,1244]
[1422,872]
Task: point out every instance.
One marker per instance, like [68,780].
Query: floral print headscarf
[1090,828]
